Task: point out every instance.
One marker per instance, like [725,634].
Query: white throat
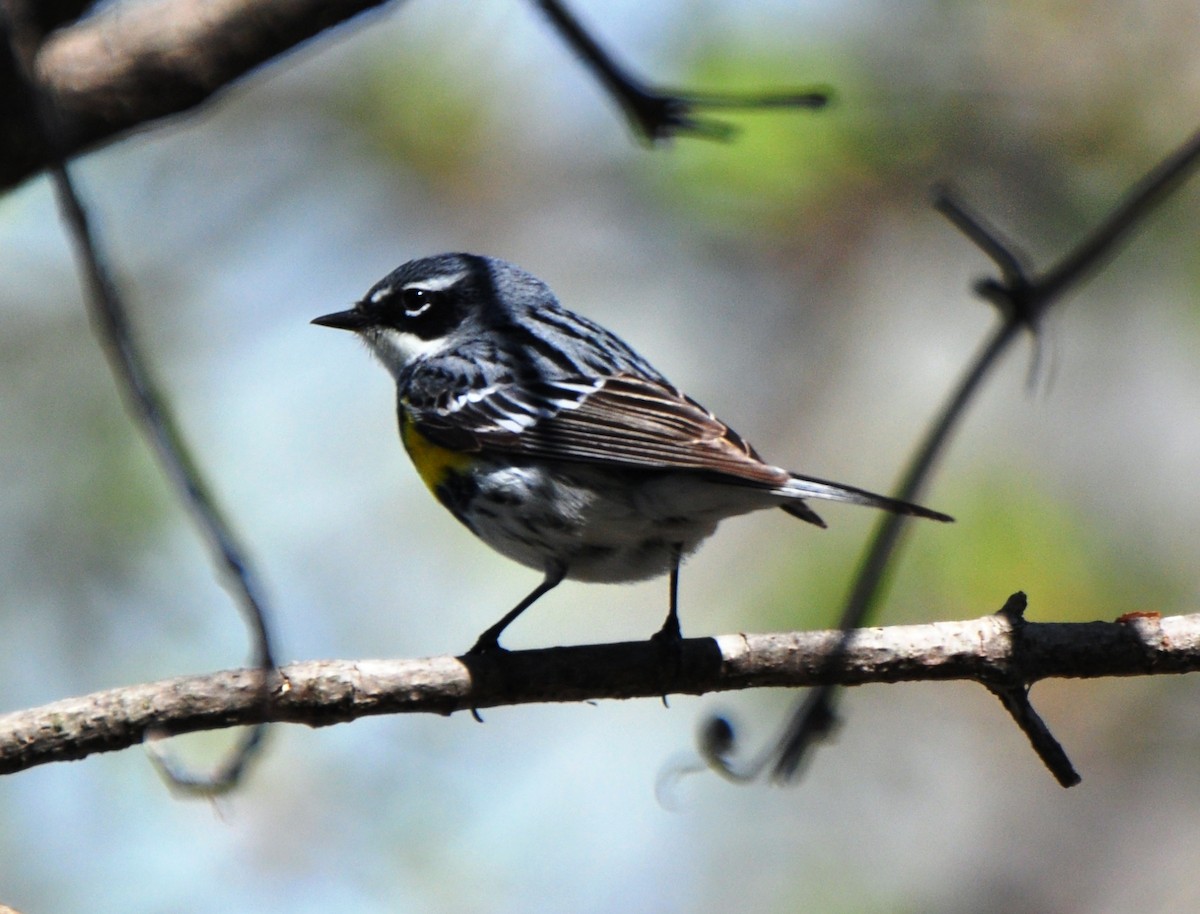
[397,349]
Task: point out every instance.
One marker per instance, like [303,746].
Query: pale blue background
[824,310]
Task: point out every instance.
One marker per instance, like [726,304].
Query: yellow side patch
[434,463]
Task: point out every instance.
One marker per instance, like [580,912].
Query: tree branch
[135,63]
[989,650]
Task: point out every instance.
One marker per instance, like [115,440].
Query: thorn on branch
[1014,608]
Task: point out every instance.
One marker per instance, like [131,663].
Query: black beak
[343,320]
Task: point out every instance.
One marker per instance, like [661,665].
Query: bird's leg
[669,639]
[489,641]
[670,634]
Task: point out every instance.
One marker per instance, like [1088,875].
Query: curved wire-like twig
[148,405]
[1022,300]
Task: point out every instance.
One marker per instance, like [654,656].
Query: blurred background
[798,283]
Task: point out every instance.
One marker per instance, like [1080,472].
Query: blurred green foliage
[783,166]
[1017,532]
[102,499]
[1042,113]
[415,114]
[1013,532]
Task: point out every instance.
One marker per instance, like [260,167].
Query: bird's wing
[627,420]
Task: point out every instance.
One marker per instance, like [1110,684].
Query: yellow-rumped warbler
[553,441]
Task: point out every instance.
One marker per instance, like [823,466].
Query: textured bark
[995,650]
[136,63]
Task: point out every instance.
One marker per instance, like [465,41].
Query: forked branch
[990,650]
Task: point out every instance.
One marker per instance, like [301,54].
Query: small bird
[552,440]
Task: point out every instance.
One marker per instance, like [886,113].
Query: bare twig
[1103,243]
[145,400]
[988,650]
[657,114]
[1022,300]
[816,715]
[1013,692]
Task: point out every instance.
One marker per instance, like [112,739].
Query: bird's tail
[801,487]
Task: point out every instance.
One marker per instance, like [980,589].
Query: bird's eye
[424,312]
[417,301]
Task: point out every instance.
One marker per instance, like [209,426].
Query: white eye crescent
[417,301]
[417,297]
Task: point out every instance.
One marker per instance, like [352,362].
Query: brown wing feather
[631,421]
[639,423]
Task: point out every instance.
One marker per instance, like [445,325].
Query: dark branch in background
[134,63]
[1022,300]
[144,399]
[47,15]
[989,650]
[816,716]
[657,114]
